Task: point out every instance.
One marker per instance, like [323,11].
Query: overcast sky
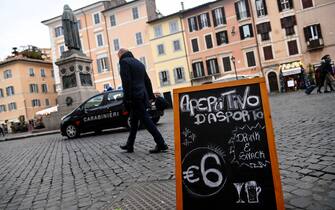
[20,20]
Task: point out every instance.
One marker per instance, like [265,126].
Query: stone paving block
[329,177]
[329,169]
[301,202]
[302,192]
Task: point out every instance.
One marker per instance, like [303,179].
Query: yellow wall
[171,59]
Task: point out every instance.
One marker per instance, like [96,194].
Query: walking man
[137,93]
[2,130]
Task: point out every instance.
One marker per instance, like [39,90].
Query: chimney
[182,6]
[15,52]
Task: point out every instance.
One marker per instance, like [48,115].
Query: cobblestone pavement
[91,172]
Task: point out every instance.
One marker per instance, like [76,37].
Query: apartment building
[316,30]
[105,27]
[278,40]
[26,86]
[220,39]
[169,54]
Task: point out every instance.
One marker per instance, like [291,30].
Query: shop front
[291,76]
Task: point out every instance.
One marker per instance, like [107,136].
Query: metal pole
[233,59]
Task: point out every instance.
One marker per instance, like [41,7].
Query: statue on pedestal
[71,31]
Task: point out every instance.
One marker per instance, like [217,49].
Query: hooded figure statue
[71,32]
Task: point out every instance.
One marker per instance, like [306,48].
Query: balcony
[315,44]
[204,79]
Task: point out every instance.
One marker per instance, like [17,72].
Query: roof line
[120,5]
[24,59]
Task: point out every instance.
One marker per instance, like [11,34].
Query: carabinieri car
[102,111]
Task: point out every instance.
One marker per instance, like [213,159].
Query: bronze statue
[71,31]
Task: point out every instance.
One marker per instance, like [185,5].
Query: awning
[47,111]
[291,71]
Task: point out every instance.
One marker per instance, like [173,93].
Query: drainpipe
[182,31]
[109,51]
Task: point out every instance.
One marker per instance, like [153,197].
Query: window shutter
[200,24]
[107,63]
[218,39]
[291,3]
[167,77]
[237,11]
[182,73]
[189,25]
[208,19]
[247,7]
[214,19]
[241,32]
[307,33]
[282,22]
[175,74]
[161,78]
[265,7]
[209,70]
[251,30]
[226,37]
[318,27]
[202,68]
[194,70]
[223,15]
[279,6]
[99,66]
[216,66]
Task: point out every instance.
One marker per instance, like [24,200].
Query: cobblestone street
[52,172]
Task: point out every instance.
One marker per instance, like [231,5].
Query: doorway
[168,98]
[273,82]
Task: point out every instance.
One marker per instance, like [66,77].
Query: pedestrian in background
[137,90]
[2,131]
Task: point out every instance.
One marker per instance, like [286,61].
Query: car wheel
[155,120]
[71,131]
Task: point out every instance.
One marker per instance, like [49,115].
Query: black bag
[161,103]
[309,89]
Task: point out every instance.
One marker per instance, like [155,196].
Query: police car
[102,111]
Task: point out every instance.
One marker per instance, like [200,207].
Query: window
[47,103]
[114,97]
[307,3]
[221,38]
[142,59]
[94,102]
[158,31]
[164,78]
[209,42]
[12,106]
[59,31]
[293,47]
[31,72]
[44,88]
[198,69]
[116,44]
[212,66]
[33,88]
[264,30]
[176,45]
[160,49]
[7,74]
[242,9]
[3,108]
[112,20]
[312,32]
[96,17]
[179,74]
[42,72]
[246,31]
[288,24]
[36,102]
[103,64]
[192,24]
[251,59]
[100,42]
[78,24]
[285,5]
[226,64]
[195,46]
[61,49]
[1,93]
[174,26]
[204,21]
[139,39]
[261,8]
[219,16]
[267,53]
[9,90]
[135,13]
[55,89]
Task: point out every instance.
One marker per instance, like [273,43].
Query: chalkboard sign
[224,147]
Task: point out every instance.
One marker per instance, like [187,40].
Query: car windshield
[94,102]
[114,96]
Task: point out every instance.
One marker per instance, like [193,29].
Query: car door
[93,110]
[114,109]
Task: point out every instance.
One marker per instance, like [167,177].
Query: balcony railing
[315,44]
[204,79]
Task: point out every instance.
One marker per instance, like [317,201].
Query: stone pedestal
[75,71]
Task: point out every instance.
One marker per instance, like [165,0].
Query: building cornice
[30,60]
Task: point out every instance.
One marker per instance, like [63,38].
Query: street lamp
[233,59]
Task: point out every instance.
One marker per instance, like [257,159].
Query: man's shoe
[326,91]
[127,148]
[159,149]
